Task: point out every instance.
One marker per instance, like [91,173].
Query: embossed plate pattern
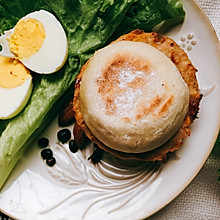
[76,189]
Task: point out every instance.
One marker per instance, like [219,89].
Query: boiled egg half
[15,87]
[38,40]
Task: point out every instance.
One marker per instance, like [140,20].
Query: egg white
[13,100]
[54,50]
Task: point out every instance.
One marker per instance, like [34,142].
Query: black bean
[43,142]
[73,146]
[46,154]
[51,161]
[64,135]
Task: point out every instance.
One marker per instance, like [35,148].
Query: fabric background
[201,199]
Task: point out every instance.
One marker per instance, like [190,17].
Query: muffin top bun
[132,97]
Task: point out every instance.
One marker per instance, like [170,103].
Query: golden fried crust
[171,49]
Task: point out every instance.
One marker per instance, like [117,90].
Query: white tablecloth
[201,199]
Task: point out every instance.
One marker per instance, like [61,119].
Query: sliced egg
[15,87]
[38,40]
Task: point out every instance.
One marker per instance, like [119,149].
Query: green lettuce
[217,144]
[146,14]
[89,25]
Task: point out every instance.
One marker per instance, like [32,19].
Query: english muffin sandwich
[137,97]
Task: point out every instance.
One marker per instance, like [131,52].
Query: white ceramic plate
[76,189]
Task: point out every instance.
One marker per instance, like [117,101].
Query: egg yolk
[27,38]
[12,72]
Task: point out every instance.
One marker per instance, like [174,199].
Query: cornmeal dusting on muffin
[120,80]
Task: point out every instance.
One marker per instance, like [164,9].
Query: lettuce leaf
[146,14]
[89,24]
